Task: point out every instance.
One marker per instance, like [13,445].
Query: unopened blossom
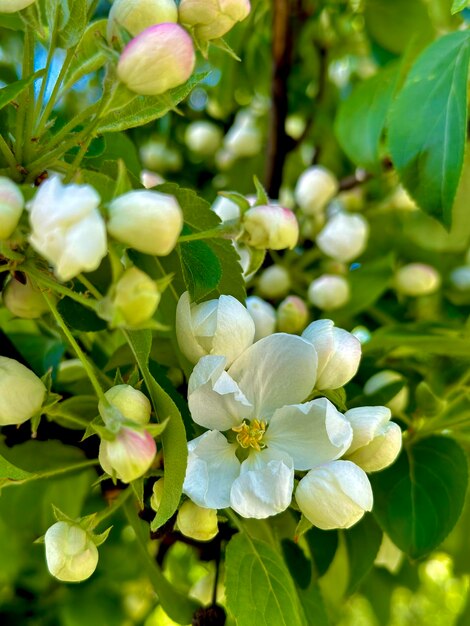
[221,326]
[71,554]
[22,393]
[131,403]
[23,300]
[270,227]
[137,15]
[159,58]
[211,19]
[148,221]
[197,522]
[274,282]
[257,403]
[66,227]
[314,189]
[244,139]
[292,315]
[417,279]
[382,379]
[264,316]
[226,209]
[334,495]
[203,137]
[329,292]
[11,6]
[11,206]
[338,353]
[376,440]
[344,237]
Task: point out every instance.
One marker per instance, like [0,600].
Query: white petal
[235,329]
[275,371]
[334,495]
[185,331]
[265,485]
[312,433]
[367,422]
[381,451]
[214,398]
[212,468]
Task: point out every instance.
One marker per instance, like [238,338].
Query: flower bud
[21,392]
[67,228]
[226,209]
[196,522]
[11,198]
[131,403]
[211,19]
[270,227]
[315,188]
[71,554]
[376,440]
[137,15]
[338,352]
[378,381]
[417,279]
[460,278]
[159,157]
[157,494]
[334,495]
[329,292]
[244,138]
[23,300]
[150,179]
[129,455]
[148,221]
[159,58]
[222,326]
[264,316]
[344,237]
[274,282]
[203,137]
[389,556]
[135,300]
[292,315]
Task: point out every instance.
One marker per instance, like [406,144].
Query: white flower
[67,228]
[71,554]
[334,495]
[338,352]
[222,326]
[376,440]
[344,237]
[315,188]
[329,292]
[264,316]
[257,402]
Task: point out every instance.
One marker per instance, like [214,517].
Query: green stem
[76,121]
[67,417]
[44,281]
[27,70]
[112,508]
[234,519]
[90,287]
[78,351]
[206,234]
[54,472]
[9,157]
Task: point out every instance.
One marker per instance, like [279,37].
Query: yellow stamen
[251,435]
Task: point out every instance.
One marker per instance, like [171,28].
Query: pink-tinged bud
[158,59]
[137,15]
[11,203]
[146,220]
[270,227]
[274,282]
[292,315]
[417,279]
[23,300]
[329,292]
[211,19]
[11,6]
[129,456]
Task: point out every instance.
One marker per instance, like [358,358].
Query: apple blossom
[71,554]
[274,282]
[211,19]
[417,279]
[398,403]
[264,316]
[329,292]
[257,398]
[11,6]
[338,352]
[222,326]
[292,315]
[24,300]
[270,227]
[344,237]
[376,440]
[11,206]
[137,15]
[22,393]
[67,228]
[334,495]
[148,221]
[203,137]
[314,189]
[197,522]
[159,58]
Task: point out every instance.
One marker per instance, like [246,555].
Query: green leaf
[79,317]
[323,545]
[199,217]
[362,542]
[139,110]
[175,447]
[259,588]
[418,500]
[201,268]
[298,564]
[12,91]
[9,472]
[428,125]
[459,5]
[41,352]
[89,55]
[361,118]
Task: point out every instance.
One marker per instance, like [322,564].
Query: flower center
[251,435]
